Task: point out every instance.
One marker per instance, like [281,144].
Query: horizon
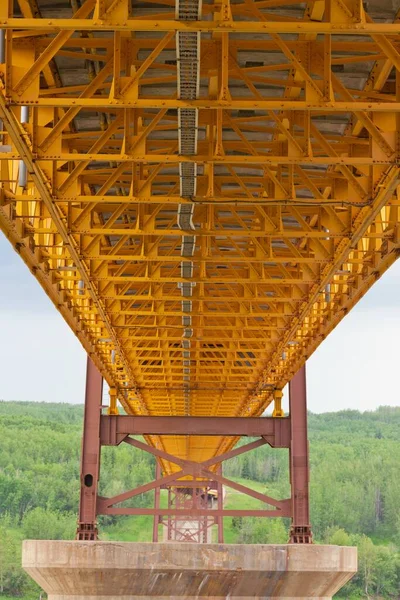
[345,372]
[381,407]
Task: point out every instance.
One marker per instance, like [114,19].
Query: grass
[129,529]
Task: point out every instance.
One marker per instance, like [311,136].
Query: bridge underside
[204,190]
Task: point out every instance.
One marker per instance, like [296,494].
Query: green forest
[355,490]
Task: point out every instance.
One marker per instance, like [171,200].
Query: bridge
[204,190]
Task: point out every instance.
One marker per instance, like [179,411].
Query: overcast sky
[356,367]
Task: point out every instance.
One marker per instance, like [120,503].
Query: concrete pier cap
[72,570]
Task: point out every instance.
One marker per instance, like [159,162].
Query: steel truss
[188,528]
[293,217]
[204,190]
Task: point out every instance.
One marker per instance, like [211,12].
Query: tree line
[355,489]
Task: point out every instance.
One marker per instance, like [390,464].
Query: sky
[42,360]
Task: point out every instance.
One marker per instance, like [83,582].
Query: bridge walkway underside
[204,190]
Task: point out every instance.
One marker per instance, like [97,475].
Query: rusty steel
[299,462]
[194,512]
[220,500]
[192,481]
[275,431]
[90,459]
[156,519]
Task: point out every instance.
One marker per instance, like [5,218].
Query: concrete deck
[128,571]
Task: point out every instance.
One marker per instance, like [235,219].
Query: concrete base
[136,571]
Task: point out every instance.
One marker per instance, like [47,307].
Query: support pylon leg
[156,504]
[169,518]
[220,505]
[300,532]
[204,503]
[90,457]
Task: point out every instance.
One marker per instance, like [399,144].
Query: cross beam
[115,427]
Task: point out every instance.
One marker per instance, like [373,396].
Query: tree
[42,524]
[262,531]
[13,580]
[246,469]
[355,489]
[337,537]
[366,561]
[386,571]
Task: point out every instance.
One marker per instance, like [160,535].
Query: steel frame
[198,494]
[188,516]
[268,282]
[208,195]
[188,528]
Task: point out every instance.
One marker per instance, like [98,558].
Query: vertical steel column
[156,504]
[203,497]
[220,506]
[300,532]
[169,518]
[90,458]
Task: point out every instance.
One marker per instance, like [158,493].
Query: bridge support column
[90,457]
[220,501]
[189,515]
[300,532]
[156,520]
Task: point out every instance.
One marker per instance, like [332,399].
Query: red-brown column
[204,523]
[300,532]
[220,505]
[169,518]
[156,504]
[90,458]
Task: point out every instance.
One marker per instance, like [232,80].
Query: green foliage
[337,537]
[354,460]
[355,490]
[378,570]
[45,524]
[13,580]
[260,531]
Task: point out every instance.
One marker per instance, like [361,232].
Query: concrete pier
[146,571]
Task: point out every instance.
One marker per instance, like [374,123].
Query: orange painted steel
[203,191]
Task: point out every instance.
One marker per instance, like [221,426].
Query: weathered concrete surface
[128,571]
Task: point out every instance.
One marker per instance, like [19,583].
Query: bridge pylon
[195,488]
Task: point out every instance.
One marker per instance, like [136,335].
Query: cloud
[356,366]
[41,358]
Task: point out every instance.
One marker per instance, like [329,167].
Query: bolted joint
[87,532]
[278,411]
[301,535]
